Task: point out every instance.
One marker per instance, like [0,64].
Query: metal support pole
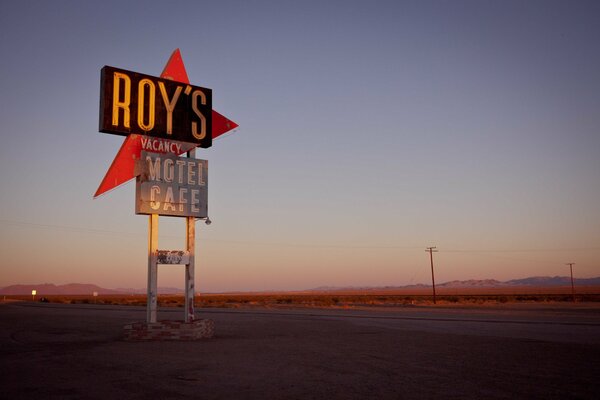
[572,284]
[431,250]
[152,290]
[189,268]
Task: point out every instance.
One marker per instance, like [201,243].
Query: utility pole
[572,285]
[432,250]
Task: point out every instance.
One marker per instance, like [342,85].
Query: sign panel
[171,185]
[123,166]
[172,257]
[121,169]
[131,102]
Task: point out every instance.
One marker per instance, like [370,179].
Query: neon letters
[131,102]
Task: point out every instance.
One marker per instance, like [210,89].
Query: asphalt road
[54,351]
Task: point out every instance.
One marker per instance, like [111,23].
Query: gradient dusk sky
[368,131]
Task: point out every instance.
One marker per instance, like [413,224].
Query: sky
[368,132]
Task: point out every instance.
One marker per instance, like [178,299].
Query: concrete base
[169,330]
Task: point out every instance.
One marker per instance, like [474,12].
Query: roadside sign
[171,185]
[123,166]
[121,169]
[161,119]
[131,102]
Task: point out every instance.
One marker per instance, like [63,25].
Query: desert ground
[499,351]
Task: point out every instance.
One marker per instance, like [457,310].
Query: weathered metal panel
[131,102]
[173,257]
[172,186]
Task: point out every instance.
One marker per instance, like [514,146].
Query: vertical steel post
[152,268]
[190,241]
[189,269]
[431,250]
[572,284]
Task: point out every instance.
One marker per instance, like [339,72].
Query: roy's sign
[131,102]
[171,185]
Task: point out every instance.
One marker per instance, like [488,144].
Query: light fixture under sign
[207,220]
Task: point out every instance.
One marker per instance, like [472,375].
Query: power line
[501,257]
[76,229]
[538,250]
[314,245]
[64,228]
[251,243]
[287,244]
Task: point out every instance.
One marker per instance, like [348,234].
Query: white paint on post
[152,268]
[189,269]
[190,241]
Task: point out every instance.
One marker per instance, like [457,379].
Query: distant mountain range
[540,281]
[88,289]
[532,281]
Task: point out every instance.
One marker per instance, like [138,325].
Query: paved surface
[53,351]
